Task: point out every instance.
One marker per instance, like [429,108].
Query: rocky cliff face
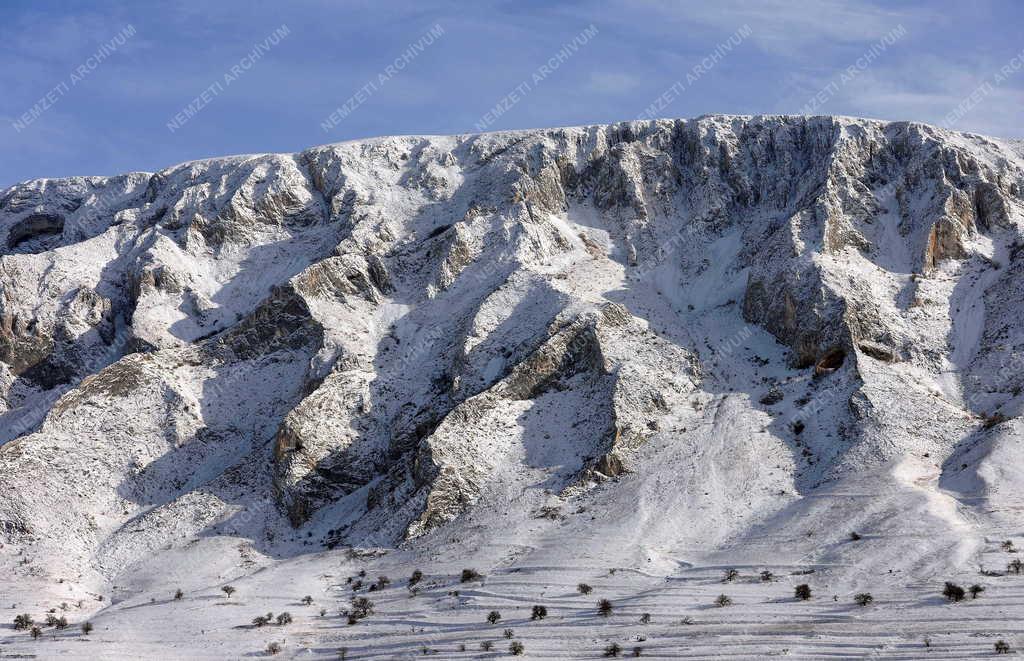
[369,340]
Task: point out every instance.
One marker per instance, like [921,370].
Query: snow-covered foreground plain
[448,618]
[637,357]
[908,619]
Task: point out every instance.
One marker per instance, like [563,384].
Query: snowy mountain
[633,356]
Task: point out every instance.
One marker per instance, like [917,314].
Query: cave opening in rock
[831,361]
[35,233]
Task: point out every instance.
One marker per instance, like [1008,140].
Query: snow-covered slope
[632,355]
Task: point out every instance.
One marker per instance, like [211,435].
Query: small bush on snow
[863,599]
[953,592]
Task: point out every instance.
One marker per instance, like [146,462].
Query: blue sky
[696,57]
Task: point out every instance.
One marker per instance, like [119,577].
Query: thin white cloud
[922,88]
[782,27]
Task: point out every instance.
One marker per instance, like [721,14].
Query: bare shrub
[361,608]
[953,592]
[863,599]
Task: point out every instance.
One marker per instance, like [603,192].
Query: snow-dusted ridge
[668,347]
